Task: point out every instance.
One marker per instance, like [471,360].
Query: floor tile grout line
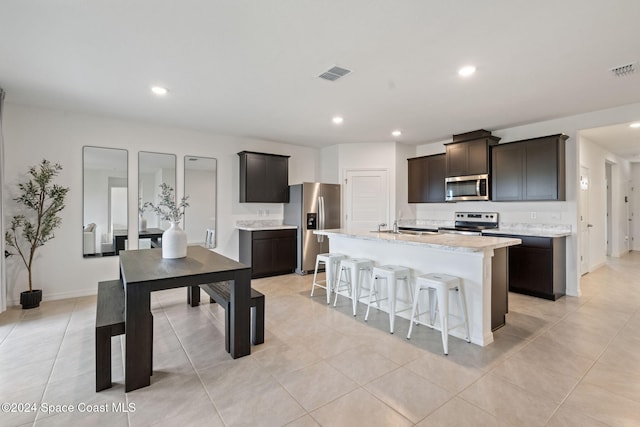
[13,327]
[588,370]
[191,361]
[44,391]
[508,357]
[501,356]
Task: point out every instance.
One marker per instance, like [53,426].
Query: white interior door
[366,198]
[584,220]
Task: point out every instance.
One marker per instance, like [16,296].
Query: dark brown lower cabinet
[268,252]
[537,267]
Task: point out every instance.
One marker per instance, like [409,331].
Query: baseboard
[597,266]
[620,254]
[59,295]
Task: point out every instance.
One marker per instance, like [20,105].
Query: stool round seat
[392,274]
[331,262]
[439,285]
[351,276]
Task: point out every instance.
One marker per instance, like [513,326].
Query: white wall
[35,133]
[390,156]
[595,158]
[404,209]
[635,206]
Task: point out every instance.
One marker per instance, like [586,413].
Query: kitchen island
[479,261]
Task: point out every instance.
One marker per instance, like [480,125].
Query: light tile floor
[572,362]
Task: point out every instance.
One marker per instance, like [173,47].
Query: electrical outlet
[533,215]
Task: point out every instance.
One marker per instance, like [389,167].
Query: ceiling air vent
[334,73]
[624,70]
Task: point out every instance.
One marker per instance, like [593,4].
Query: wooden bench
[109,323]
[221,293]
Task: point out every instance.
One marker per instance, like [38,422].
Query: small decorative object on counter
[174,239]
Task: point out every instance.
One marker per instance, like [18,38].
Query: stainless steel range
[472,223]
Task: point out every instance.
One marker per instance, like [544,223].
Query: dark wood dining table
[143,271]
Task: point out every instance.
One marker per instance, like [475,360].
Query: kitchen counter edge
[266,227]
[448,242]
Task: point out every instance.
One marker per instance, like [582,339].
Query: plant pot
[31,299]
[174,242]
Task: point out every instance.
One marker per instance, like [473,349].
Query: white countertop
[262,225]
[514,228]
[531,230]
[266,227]
[450,242]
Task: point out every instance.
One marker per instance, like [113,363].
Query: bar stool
[391,274]
[353,269]
[330,262]
[439,286]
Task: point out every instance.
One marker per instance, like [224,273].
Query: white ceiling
[249,68]
[619,139]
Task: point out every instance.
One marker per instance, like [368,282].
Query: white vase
[174,242]
[142,223]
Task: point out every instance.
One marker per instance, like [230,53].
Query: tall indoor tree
[40,201]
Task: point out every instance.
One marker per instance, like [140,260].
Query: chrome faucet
[395,226]
[384,224]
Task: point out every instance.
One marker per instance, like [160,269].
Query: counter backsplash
[512,227]
[516,226]
[424,223]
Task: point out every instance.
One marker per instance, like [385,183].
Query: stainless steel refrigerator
[312,206]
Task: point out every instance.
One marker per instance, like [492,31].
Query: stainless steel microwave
[471,187]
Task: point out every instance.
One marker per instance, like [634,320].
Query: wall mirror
[153,170]
[104,196]
[200,184]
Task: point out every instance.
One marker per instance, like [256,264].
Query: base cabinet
[268,252]
[537,267]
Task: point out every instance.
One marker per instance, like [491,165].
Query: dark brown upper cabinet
[426,179]
[468,154]
[264,177]
[532,169]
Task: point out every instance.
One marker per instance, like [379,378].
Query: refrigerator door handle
[320,217]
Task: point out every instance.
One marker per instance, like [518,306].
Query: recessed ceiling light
[396,133]
[635,125]
[337,120]
[159,90]
[467,70]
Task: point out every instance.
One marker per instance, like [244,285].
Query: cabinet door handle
[589,225]
[320,217]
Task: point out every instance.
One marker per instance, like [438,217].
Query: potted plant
[174,239]
[142,221]
[41,200]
